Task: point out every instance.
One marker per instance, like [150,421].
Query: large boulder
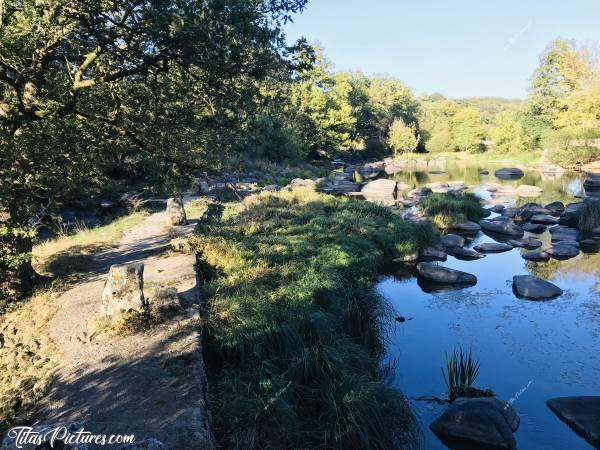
[176,211]
[534,288]
[124,289]
[452,240]
[382,190]
[508,228]
[477,423]
[511,173]
[444,275]
[493,247]
[582,414]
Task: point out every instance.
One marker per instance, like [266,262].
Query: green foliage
[294,323]
[509,135]
[570,147]
[467,130]
[448,210]
[402,138]
[270,138]
[461,372]
[588,216]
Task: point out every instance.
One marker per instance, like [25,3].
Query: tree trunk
[15,282]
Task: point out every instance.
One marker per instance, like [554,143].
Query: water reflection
[553,344]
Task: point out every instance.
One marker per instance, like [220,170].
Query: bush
[568,148]
[588,216]
[270,138]
[294,326]
[449,210]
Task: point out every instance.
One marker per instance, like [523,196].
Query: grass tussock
[588,216]
[294,326]
[449,210]
[461,372]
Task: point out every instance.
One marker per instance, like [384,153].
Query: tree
[467,130]
[402,138]
[435,122]
[509,135]
[87,84]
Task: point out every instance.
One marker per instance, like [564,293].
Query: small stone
[401,319]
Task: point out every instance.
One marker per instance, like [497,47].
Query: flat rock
[469,227]
[537,256]
[534,288]
[465,253]
[544,219]
[484,422]
[432,253]
[536,228]
[452,240]
[582,414]
[528,243]
[493,247]
[382,188]
[509,173]
[563,251]
[445,275]
[563,233]
[507,228]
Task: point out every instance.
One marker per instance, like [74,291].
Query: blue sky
[457,47]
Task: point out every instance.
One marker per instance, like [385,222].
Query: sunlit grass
[295,326]
[449,210]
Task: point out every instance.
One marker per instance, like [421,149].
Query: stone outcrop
[124,289]
[534,288]
[176,211]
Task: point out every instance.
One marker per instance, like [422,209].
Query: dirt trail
[150,384]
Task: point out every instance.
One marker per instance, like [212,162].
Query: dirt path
[149,384]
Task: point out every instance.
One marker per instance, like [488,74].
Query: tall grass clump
[461,372]
[294,328]
[449,210]
[588,216]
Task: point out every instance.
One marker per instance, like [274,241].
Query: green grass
[461,372]
[449,210]
[588,216]
[293,334]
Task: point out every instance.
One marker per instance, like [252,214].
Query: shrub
[448,210]
[294,326]
[568,148]
[588,216]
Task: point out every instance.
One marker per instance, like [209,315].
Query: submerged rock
[538,256]
[477,423]
[444,275]
[534,288]
[493,247]
[582,414]
[510,173]
[507,228]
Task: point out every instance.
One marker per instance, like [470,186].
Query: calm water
[550,348]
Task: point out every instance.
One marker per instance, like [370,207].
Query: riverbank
[294,329]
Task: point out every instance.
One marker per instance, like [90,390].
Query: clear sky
[457,47]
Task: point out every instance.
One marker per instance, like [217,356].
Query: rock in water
[536,256]
[582,414]
[493,247]
[468,227]
[433,254]
[507,228]
[544,219]
[511,173]
[484,422]
[536,228]
[555,208]
[124,289]
[176,211]
[441,274]
[453,240]
[465,253]
[534,288]
[562,251]
[380,190]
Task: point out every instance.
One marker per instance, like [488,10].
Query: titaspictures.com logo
[72,436]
